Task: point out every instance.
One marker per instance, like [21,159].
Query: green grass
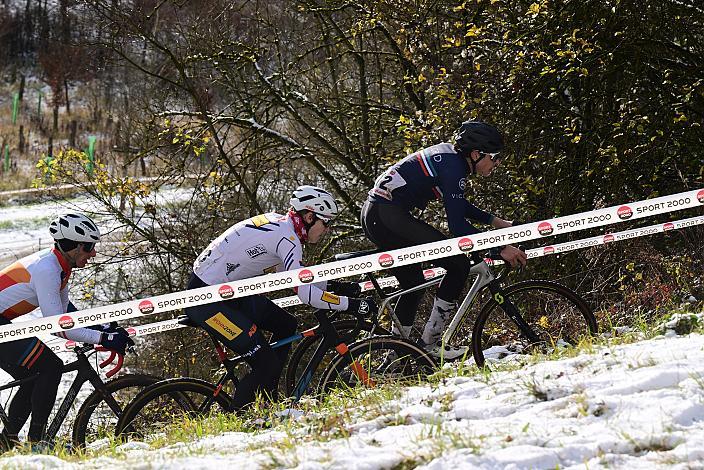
[334,416]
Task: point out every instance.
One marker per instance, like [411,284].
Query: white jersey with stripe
[40,280]
[263,244]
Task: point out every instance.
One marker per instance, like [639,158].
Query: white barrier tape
[345,268]
[430,273]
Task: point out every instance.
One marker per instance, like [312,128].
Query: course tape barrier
[363,264]
[59,344]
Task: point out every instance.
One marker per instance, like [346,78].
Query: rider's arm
[458,210]
[312,294]
[451,180]
[50,297]
[473,212]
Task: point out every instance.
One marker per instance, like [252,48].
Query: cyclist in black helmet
[437,172]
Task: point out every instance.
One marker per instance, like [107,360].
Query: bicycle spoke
[167,410]
[98,416]
[165,406]
[379,361]
[552,314]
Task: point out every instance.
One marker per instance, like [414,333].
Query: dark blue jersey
[436,172]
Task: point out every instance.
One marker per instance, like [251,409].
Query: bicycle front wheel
[166,405]
[376,361]
[555,314]
[96,419]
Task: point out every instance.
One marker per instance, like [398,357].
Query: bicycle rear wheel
[376,361]
[303,352]
[165,405]
[555,313]
[96,419]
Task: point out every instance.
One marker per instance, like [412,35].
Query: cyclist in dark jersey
[437,172]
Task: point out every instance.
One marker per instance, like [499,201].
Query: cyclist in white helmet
[264,244]
[41,280]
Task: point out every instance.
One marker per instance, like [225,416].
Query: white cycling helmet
[316,200]
[75,227]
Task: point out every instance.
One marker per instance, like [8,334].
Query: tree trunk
[50,152]
[68,103]
[28,26]
[22,82]
[56,118]
[72,134]
[2,155]
[22,142]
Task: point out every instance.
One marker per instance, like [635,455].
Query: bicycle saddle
[186,321]
[355,254]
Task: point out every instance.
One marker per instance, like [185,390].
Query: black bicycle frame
[86,373]
[331,339]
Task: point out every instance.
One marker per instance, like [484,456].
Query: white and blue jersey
[436,172]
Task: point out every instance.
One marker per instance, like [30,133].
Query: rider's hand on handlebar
[118,341]
[514,256]
[363,306]
[348,289]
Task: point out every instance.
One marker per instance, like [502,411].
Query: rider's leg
[49,369]
[270,317]
[445,303]
[390,227]
[22,359]
[439,315]
[263,379]
[236,330]
[387,227]
[407,305]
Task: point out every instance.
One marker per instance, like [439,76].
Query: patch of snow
[631,406]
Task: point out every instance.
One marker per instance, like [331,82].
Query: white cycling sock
[441,313]
[405,330]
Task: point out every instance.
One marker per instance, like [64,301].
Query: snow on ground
[631,406]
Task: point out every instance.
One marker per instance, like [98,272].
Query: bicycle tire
[167,403]
[555,312]
[95,418]
[410,364]
[305,348]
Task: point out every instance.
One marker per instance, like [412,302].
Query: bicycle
[98,413]
[361,363]
[532,315]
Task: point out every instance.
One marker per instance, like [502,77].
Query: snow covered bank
[632,406]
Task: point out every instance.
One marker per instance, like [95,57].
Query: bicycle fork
[330,339]
[355,365]
[507,306]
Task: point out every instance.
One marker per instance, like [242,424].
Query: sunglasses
[88,247]
[493,156]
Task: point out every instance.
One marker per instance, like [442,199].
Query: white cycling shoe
[446,352]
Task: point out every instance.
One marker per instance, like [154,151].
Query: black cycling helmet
[476,135]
